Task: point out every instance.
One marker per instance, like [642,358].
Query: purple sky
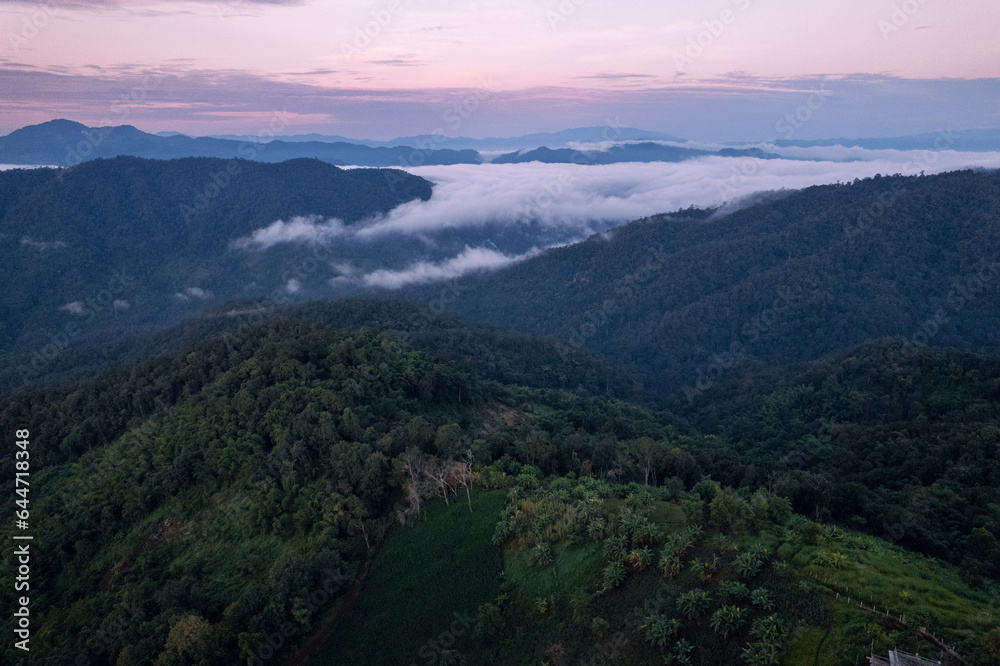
[710,70]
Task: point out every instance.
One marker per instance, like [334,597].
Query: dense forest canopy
[683,299]
[690,439]
[118,243]
[264,462]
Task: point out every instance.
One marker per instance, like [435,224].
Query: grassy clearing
[424,588]
[803,646]
[925,592]
[571,568]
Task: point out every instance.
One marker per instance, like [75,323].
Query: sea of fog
[483,217]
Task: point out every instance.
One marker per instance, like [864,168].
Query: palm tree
[766,650]
[693,603]
[542,554]
[614,575]
[733,588]
[670,563]
[763,598]
[727,619]
[639,558]
[682,652]
[748,563]
[615,547]
[660,628]
[595,529]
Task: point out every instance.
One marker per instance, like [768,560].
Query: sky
[712,70]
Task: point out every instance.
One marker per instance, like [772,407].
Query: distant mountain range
[66,143]
[967,140]
[561,139]
[627,152]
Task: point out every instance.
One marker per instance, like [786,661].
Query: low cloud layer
[578,198]
[305,229]
[42,245]
[553,204]
[470,260]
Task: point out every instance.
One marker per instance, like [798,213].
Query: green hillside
[134,241]
[218,503]
[684,300]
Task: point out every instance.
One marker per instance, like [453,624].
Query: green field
[424,588]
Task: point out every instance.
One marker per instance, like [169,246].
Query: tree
[452,658]
[615,547]
[437,472]
[660,629]
[489,621]
[693,603]
[694,509]
[461,472]
[648,453]
[682,652]
[614,575]
[447,440]
[769,634]
[735,589]
[541,554]
[187,643]
[728,510]
[728,619]
[749,563]
[762,598]
[414,465]
[639,558]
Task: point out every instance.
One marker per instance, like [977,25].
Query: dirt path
[312,647]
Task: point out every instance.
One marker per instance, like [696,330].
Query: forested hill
[192,503]
[683,299]
[896,439]
[147,240]
[489,352]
